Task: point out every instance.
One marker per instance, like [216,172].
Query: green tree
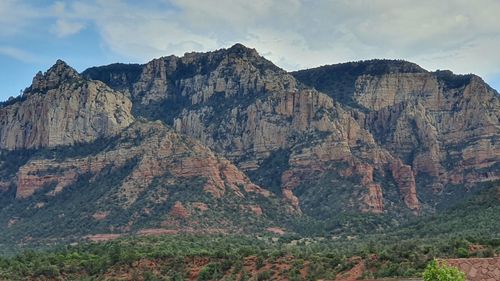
[211,271]
[436,271]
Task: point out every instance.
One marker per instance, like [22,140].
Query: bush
[259,263]
[264,275]
[211,271]
[50,271]
[462,253]
[149,276]
[441,272]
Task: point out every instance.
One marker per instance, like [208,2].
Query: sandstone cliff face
[61,108]
[404,176]
[243,107]
[434,126]
[231,133]
[160,152]
[444,127]
[172,182]
[278,113]
[196,77]
[380,117]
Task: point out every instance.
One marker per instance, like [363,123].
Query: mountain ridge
[379,137]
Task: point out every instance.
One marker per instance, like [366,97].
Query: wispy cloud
[64,24]
[17,54]
[15,16]
[457,34]
[63,28]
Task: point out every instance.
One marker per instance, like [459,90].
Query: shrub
[211,271]
[259,263]
[264,275]
[441,272]
[50,271]
[462,253]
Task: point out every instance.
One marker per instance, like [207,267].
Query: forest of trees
[226,257]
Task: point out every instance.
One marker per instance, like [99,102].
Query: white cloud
[305,33]
[63,28]
[140,33]
[15,15]
[461,35]
[17,54]
[65,24]
[236,15]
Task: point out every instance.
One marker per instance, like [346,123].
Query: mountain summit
[63,108]
[60,72]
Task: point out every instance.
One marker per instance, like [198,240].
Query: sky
[460,35]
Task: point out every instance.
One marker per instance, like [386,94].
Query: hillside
[227,142]
[445,126]
[227,257]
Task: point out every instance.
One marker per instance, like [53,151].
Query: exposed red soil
[156,231]
[102,237]
[354,273]
[276,230]
[179,211]
[278,268]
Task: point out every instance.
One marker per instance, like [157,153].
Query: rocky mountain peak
[250,55]
[238,54]
[242,50]
[53,77]
[63,108]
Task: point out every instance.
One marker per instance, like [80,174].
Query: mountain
[225,141]
[62,108]
[254,113]
[445,126]
[146,179]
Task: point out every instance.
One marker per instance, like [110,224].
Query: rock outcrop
[243,107]
[443,127]
[187,142]
[477,269]
[425,122]
[160,152]
[404,176]
[62,108]
[163,169]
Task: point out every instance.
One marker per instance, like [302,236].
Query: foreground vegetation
[216,257]
[309,250]
[442,272]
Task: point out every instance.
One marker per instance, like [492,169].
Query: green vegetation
[338,80]
[127,73]
[69,214]
[173,257]
[474,217]
[11,161]
[212,271]
[451,80]
[441,272]
[273,165]
[75,206]
[12,100]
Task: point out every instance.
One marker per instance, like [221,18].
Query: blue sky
[459,35]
